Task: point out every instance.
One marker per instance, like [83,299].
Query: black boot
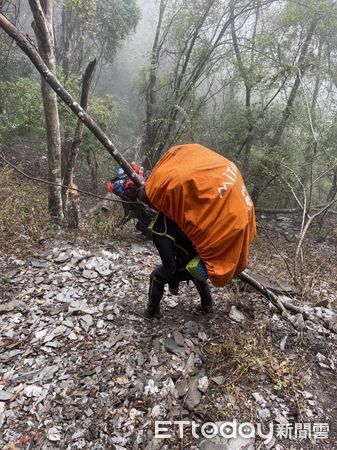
[156,292]
[153,311]
[206,301]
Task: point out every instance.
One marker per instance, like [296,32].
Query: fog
[120,78]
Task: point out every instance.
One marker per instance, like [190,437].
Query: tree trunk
[66,35]
[93,167]
[256,191]
[293,93]
[149,135]
[71,151]
[244,72]
[43,28]
[318,79]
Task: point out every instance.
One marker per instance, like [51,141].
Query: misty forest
[168,224]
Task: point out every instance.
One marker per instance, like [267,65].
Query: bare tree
[189,65]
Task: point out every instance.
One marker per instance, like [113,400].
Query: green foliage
[13,64]
[294,14]
[101,25]
[115,20]
[21,110]
[86,8]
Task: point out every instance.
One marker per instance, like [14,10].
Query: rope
[42,181]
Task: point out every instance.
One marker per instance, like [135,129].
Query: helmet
[120,172]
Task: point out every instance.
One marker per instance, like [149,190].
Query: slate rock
[241,443]
[236,315]
[307,395]
[6,308]
[104,271]
[182,387]
[203,384]
[219,443]
[5,395]
[89,274]
[258,398]
[283,343]
[38,263]
[86,322]
[62,257]
[218,380]
[189,367]
[32,391]
[171,346]
[54,434]
[202,336]
[192,328]
[48,372]
[193,397]
[178,337]
[264,414]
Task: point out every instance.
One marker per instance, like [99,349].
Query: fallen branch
[300,317]
[274,299]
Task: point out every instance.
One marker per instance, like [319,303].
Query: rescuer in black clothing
[175,251]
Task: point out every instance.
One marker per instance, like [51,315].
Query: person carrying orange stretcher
[205,222]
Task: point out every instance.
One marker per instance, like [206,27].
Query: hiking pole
[27,46]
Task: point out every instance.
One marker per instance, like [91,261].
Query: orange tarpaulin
[204,194]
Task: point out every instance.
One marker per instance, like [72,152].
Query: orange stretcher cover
[204,193]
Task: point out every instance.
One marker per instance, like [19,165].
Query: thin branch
[322,175]
[326,208]
[302,206]
[313,132]
[262,113]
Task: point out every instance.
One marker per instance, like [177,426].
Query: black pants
[158,281]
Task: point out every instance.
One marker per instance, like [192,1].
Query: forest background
[254,80]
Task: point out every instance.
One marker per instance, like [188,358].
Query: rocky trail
[82,368]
